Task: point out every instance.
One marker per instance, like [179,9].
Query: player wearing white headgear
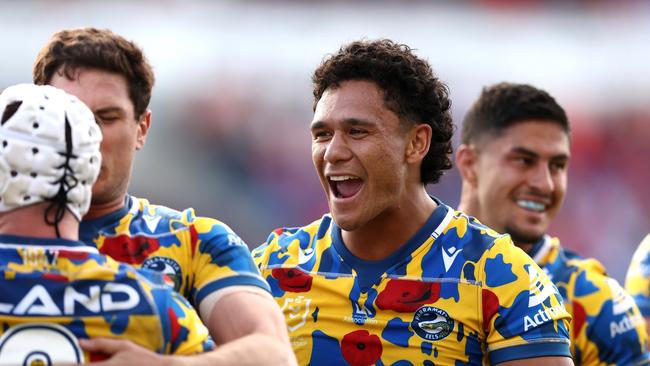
[54,289]
[50,151]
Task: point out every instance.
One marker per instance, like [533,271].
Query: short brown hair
[102,49]
[410,88]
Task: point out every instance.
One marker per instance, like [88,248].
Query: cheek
[317,156]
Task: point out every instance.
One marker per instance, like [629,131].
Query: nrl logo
[296,311]
[431,323]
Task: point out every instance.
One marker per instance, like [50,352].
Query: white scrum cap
[49,148]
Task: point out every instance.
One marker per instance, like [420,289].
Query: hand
[121,352]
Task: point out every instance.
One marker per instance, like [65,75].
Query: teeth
[339,178]
[531,205]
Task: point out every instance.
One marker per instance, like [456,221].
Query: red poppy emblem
[131,250]
[292,279]
[406,296]
[360,348]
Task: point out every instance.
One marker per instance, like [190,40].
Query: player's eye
[524,160]
[106,119]
[558,166]
[321,135]
[357,132]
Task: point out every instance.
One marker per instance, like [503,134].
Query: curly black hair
[505,104]
[410,87]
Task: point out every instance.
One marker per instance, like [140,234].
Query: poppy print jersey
[202,256]
[54,292]
[607,327]
[455,292]
[637,281]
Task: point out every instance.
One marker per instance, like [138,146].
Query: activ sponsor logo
[432,323]
[542,316]
[622,301]
[622,304]
[540,287]
[629,322]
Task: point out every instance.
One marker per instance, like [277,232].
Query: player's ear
[466,159]
[419,142]
[143,128]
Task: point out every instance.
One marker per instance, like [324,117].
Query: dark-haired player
[208,263]
[514,161]
[393,276]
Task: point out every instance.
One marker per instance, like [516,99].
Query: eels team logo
[431,323]
[166,266]
[39,344]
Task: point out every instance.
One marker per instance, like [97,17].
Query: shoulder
[285,242]
[202,228]
[475,239]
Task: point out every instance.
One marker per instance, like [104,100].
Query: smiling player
[513,162]
[392,275]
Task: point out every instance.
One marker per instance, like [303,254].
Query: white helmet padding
[49,148]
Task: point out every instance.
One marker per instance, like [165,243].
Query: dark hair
[411,90]
[97,48]
[503,105]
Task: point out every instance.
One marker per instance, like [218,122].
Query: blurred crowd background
[232,101]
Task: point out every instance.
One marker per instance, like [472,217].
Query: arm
[243,323]
[542,361]
[523,315]
[240,313]
[244,351]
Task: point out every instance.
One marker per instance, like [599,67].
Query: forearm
[253,349]
[241,314]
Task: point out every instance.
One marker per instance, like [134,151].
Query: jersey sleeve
[637,281]
[522,311]
[183,331]
[221,260]
[607,325]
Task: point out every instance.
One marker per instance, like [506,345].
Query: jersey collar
[88,229]
[434,224]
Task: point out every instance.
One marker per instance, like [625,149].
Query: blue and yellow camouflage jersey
[607,327]
[455,292]
[54,292]
[637,281]
[202,256]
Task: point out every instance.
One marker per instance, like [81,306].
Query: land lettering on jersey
[542,316]
[78,299]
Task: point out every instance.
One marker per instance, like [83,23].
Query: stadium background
[232,101]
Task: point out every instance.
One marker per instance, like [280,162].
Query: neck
[526,247]
[387,232]
[30,221]
[100,209]
[468,201]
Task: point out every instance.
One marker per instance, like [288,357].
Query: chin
[345,222]
[525,235]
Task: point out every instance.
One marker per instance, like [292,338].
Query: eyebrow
[348,121]
[524,151]
[109,110]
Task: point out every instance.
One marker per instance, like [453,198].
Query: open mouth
[533,206]
[344,186]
